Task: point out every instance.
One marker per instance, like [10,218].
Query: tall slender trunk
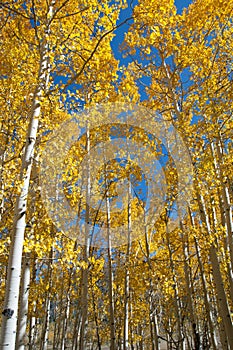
[76,331]
[32,334]
[227,203]
[55,324]
[45,327]
[152,316]
[156,330]
[225,209]
[23,302]
[45,330]
[209,314]
[110,272]
[58,315]
[110,287]
[85,274]
[181,340]
[25,277]
[65,322]
[10,312]
[218,280]
[96,318]
[196,336]
[127,294]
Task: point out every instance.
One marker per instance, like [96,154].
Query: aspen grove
[169,284]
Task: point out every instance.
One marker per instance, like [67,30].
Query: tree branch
[76,76]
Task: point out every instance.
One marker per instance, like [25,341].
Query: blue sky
[180,4]
[127,13]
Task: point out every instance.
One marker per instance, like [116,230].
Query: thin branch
[58,9]
[5,22]
[15,11]
[76,76]
[35,20]
[72,14]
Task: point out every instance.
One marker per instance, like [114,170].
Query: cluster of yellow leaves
[169,49]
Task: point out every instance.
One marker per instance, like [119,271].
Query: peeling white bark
[23,311]
[10,312]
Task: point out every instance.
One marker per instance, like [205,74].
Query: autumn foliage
[172,286]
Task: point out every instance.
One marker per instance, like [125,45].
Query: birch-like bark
[181,341]
[222,331]
[65,322]
[58,314]
[209,314]
[110,279]
[9,318]
[32,334]
[208,302]
[55,342]
[225,208]
[227,203]
[77,324]
[221,294]
[97,326]
[22,320]
[213,254]
[110,273]
[25,278]
[153,317]
[10,312]
[45,329]
[193,319]
[154,329]
[127,294]
[85,274]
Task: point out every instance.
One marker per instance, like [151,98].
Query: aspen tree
[205,292]
[37,20]
[85,274]
[23,303]
[221,295]
[177,284]
[127,276]
[12,292]
[110,272]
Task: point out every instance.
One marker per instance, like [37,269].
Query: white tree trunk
[45,330]
[127,294]
[189,289]
[85,275]
[23,311]
[181,340]
[209,313]
[110,274]
[46,324]
[225,208]
[221,295]
[9,318]
[32,334]
[65,322]
[25,281]
[32,331]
